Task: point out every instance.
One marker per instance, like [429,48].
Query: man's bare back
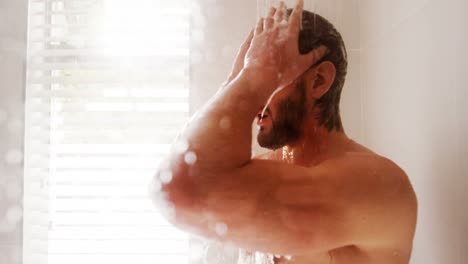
[393,248]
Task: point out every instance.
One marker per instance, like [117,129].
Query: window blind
[107,91]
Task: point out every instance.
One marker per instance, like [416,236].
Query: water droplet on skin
[225,123]
[14,214]
[221,229]
[190,158]
[14,157]
[165,176]
[288,257]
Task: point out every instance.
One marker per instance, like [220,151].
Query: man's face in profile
[283,118]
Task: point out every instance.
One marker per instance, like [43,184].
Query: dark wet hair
[317,31]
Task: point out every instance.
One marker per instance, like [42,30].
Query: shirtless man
[317,197]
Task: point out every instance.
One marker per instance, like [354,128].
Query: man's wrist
[261,81]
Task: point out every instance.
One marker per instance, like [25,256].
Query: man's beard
[286,127]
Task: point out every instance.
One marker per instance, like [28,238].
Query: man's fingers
[295,20]
[239,62]
[271,12]
[269,21]
[248,41]
[279,16]
[314,56]
[259,27]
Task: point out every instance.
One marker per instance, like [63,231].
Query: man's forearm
[219,136]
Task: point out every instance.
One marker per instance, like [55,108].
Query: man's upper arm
[275,207]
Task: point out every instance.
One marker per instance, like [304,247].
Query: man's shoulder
[372,177]
[363,158]
[375,186]
[382,171]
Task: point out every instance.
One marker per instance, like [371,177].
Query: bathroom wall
[414,87]
[13,20]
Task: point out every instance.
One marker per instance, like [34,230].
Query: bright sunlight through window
[107,91]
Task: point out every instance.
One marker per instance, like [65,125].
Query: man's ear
[319,79]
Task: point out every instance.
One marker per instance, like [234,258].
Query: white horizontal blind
[106,94]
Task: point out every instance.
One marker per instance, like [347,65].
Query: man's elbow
[171,190]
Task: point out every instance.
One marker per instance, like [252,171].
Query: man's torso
[396,251]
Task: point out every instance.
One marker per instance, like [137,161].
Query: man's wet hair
[317,31]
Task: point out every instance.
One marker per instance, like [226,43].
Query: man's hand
[274,51]
[240,58]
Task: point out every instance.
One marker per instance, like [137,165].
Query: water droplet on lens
[221,229]
[181,146]
[165,176]
[190,158]
[225,123]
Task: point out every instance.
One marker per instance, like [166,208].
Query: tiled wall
[13,20]
[415,89]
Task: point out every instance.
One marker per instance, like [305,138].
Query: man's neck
[315,145]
